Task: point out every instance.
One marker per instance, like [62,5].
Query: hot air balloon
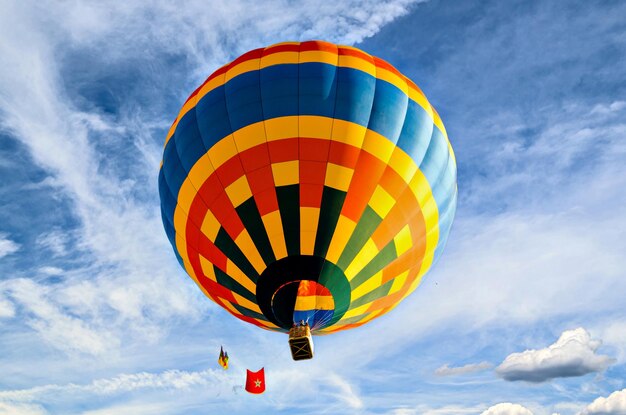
[307,183]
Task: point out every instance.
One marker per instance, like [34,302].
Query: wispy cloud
[573,354]
[6,307]
[446,370]
[345,392]
[171,379]
[613,334]
[285,388]
[55,241]
[7,246]
[21,409]
[141,408]
[53,324]
[51,270]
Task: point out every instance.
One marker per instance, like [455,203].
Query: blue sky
[523,314]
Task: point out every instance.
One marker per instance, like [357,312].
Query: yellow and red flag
[223,359]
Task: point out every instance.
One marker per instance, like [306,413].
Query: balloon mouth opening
[311,303]
[303,288]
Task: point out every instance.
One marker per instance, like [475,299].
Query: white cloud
[51,270]
[7,246]
[614,404]
[56,241]
[332,392]
[613,334]
[146,408]
[507,409]
[345,392]
[171,379]
[608,108]
[6,307]
[446,370]
[573,354]
[7,408]
[54,325]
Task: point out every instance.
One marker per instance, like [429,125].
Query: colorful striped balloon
[307,162]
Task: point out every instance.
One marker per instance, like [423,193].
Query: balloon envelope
[307,181]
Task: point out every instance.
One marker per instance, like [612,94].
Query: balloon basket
[301,343]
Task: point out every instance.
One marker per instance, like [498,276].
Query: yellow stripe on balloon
[249,136]
[398,282]
[402,164]
[222,151]
[381,202]
[286,173]
[420,99]
[309,218]
[238,275]
[355,62]
[280,58]
[207,268]
[239,191]
[347,132]
[391,77]
[244,302]
[314,302]
[249,249]
[378,145]
[241,68]
[274,229]
[338,177]
[365,255]
[210,226]
[318,56]
[313,126]
[281,128]
[340,238]
[403,241]
[367,286]
[200,171]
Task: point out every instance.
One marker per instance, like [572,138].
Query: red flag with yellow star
[255,381]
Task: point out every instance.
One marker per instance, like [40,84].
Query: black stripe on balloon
[289,206]
[225,243]
[380,261]
[249,313]
[366,226]
[230,283]
[251,218]
[330,209]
